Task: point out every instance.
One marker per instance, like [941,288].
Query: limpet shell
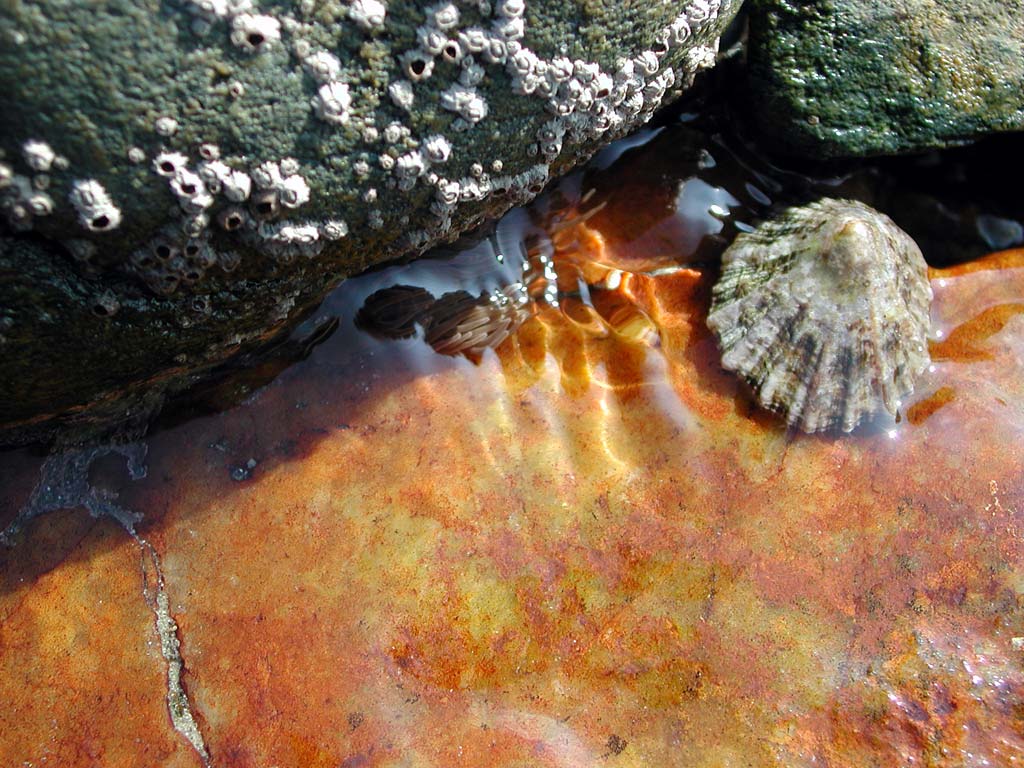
[825,312]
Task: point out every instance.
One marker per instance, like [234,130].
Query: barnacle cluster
[229,203]
[825,312]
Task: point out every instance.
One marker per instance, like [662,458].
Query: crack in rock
[178,705]
[64,484]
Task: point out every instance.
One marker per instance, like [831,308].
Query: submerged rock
[824,311]
[210,169]
[868,77]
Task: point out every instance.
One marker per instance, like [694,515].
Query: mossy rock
[867,77]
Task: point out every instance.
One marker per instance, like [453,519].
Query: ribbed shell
[825,312]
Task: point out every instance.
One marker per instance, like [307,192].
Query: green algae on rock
[867,77]
[243,160]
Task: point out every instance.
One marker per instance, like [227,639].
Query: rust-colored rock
[590,547]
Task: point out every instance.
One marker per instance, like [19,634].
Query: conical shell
[825,312]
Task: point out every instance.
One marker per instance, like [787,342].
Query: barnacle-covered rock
[825,312]
[352,133]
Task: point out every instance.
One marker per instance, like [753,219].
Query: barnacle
[96,211]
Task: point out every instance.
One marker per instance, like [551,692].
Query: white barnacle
[191,192]
[469,104]
[236,186]
[288,166]
[323,66]
[165,126]
[452,51]
[585,71]
[471,189]
[361,168]
[698,11]
[213,174]
[387,162]
[401,94]
[286,241]
[40,204]
[410,165]
[472,73]
[368,14]
[444,16]
[511,9]
[209,10]
[136,155]
[334,229]
[437,149]
[495,52]
[523,63]
[633,103]
[293,191]
[187,184]
[6,175]
[509,29]
[552,130]
[602,85]
[299,234]
[96,211]
[38,155]
[418,65]
[254,33]
[431,39]
[560,69]
[699,57]
[332,102]
[647,62]
[267,175]
[680,29]
[473,39]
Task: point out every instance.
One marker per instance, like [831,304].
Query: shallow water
[587,546]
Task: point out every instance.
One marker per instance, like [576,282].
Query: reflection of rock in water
[457,323]
[824,311]
[393,312]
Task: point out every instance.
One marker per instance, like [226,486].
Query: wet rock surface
[865,78]
[180,180]
[589,547]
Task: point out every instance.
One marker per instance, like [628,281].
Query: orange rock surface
[590,548]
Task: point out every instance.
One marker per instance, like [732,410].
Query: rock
[180,181]
[869,77]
